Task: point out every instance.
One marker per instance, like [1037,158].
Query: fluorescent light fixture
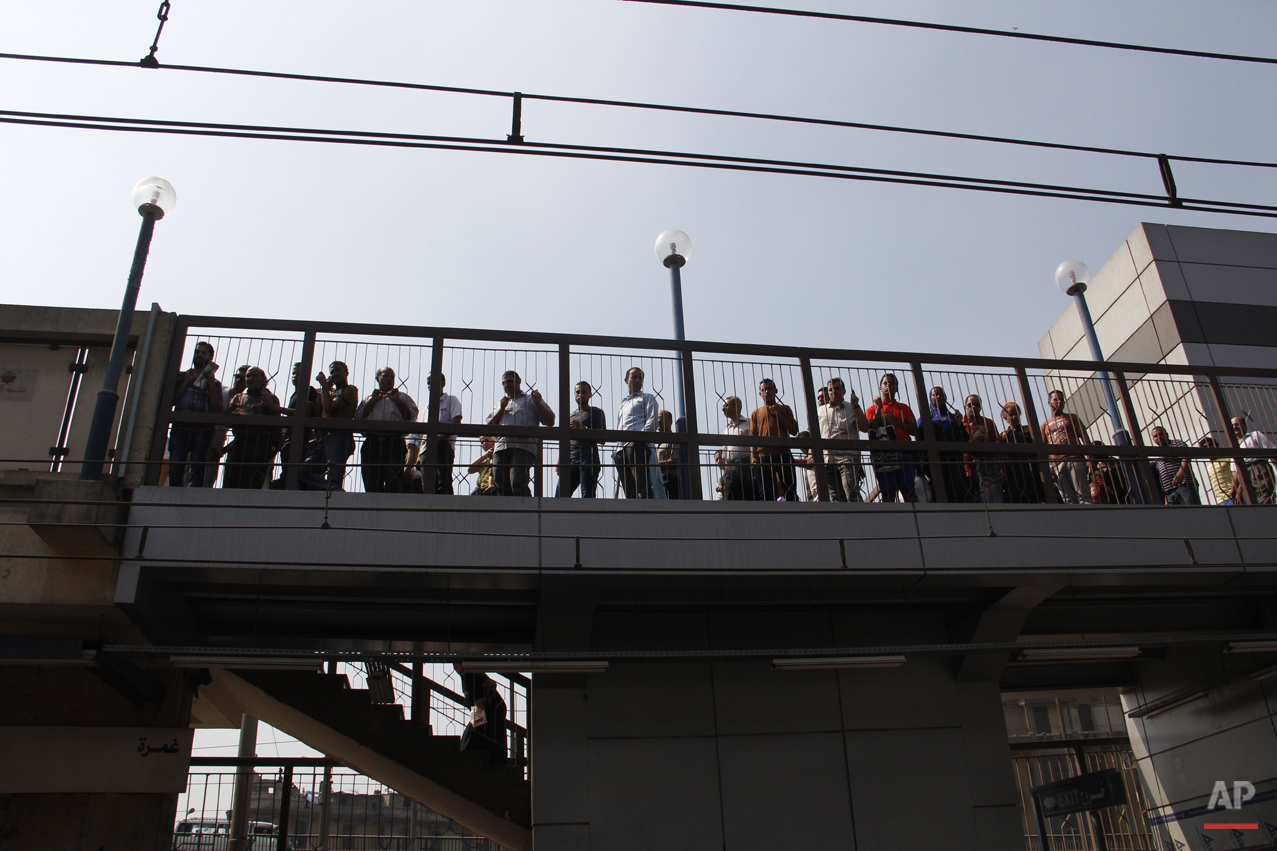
[86,658]
[1263,646]
[249,662]
[1060,654]
[570,666]
[835,663]
[1270,671]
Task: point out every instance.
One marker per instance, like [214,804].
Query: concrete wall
[1178,295]
[697,755]
[45,340]
[1228,735]
[73,697]
[188,538]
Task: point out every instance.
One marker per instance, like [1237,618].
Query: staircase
[375,739]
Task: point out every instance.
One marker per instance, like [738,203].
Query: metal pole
[285,810]
[108,396]
[1079,298]
[675,263]
[1041,824]
[1121,437]
[325,795]
[1097,827]
[243,785]
[676,290]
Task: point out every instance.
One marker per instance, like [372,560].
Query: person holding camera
[197,392]
[338,400]
[384,453]
[889,419]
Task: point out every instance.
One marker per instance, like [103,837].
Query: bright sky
[426,237]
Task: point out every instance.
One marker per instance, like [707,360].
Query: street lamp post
[673,248]
[153,197]
[1071,277]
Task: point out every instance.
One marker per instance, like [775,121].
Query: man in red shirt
[888,419]
[1061,429]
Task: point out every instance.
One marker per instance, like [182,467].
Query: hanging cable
[149,60]
[632,155]
[1058,39]
[659,107]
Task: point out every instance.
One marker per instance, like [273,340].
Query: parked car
[206,834]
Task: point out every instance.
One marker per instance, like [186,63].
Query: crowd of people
[652,467]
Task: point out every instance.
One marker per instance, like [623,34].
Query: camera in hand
[885,461]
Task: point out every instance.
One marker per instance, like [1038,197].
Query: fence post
[325,796]
[1143,465]
[813,420]
[565,410]
[285,806]
[159,438]
[297,441]
[1035,429]
[693,429]
[420,696]
[429,459]
[1243,468]
[929,432]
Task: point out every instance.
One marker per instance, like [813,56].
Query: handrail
[707,347]
[563,346]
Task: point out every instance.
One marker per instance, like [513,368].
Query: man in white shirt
[638,412]
[513,457]
[738,475]
[1260,469]
[446,445]
[839,420]
[382,459]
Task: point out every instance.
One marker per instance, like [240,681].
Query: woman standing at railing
[1022,483]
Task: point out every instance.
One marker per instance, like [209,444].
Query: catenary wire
[894,22]
[673,158]
[660,107]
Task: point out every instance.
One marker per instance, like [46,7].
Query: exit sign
[1093,791]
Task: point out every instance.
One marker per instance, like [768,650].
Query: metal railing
[1190,402]
[432,694]
[303,804]
[1125,828]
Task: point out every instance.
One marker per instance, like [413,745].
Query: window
[1085,719]
[1042,719]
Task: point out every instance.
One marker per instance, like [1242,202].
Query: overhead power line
[1057,39]
[659,107]
[630,155]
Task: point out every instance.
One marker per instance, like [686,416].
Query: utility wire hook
[149,61]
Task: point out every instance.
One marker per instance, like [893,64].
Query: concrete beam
[1001,620]
[77,518]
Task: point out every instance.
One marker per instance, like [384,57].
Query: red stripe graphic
[1231,826]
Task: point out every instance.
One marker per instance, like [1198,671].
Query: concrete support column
[239,840]
[70,772]
[560,750]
